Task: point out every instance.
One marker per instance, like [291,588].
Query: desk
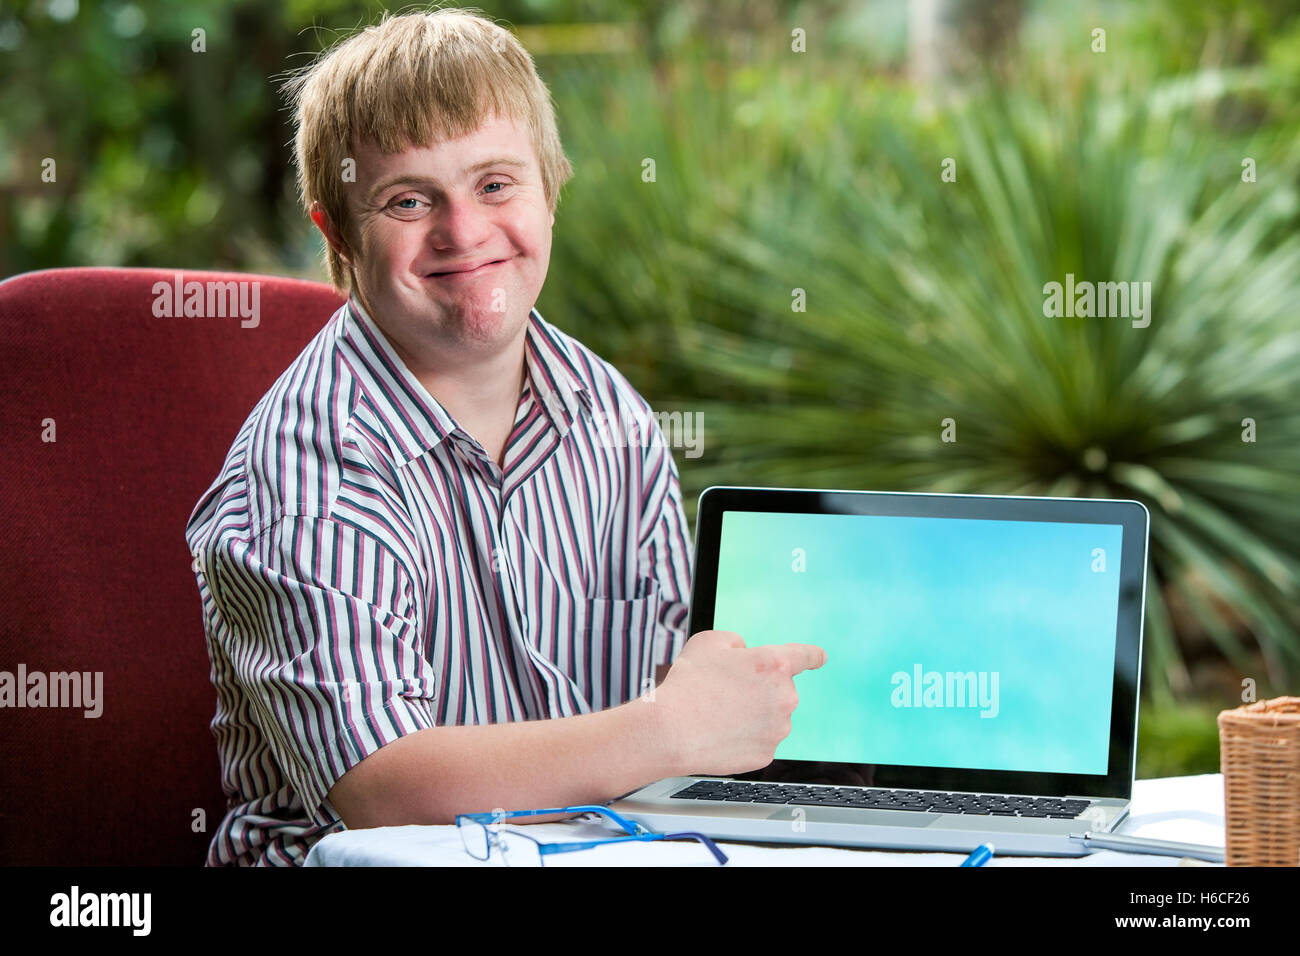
[1189,809]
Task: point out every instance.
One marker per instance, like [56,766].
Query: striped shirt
[366,570]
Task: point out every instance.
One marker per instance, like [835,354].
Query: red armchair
[94,572]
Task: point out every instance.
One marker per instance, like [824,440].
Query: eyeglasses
[481,833]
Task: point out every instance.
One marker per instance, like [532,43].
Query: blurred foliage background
[819,170]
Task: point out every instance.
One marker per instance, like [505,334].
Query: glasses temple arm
[713,847]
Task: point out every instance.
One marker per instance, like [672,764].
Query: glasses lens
[518,850]
[475,837]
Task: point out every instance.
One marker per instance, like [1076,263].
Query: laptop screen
[951,642]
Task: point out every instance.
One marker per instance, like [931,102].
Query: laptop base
[655,808]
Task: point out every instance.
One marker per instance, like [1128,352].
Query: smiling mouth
[466,272]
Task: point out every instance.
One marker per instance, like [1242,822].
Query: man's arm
[723,709]
[431,775]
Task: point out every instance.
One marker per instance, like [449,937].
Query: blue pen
[981,855]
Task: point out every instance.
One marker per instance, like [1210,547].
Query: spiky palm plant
[924,301]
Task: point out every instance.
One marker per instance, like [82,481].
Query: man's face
[451,242]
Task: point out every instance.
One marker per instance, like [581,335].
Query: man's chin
[478,327]
[473,326]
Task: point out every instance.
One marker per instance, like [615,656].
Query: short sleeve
[317,621]
[664,553]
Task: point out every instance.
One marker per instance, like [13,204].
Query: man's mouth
[465,271]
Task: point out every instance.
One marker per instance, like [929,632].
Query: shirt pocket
[618,635]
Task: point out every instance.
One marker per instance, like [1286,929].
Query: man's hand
[727,706]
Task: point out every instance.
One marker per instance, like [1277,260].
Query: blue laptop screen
[951,642]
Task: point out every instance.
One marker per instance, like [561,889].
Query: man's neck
[480,395]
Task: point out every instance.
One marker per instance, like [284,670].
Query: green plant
[1178,739]
[925,302]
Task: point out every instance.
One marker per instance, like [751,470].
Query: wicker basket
[1259,753]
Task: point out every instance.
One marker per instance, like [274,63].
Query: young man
[434,578]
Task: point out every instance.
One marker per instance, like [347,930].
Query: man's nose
[460,222]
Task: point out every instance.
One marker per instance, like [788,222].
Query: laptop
[981,683]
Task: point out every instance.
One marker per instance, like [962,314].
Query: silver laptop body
[818,798]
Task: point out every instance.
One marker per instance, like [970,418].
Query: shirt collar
[416,421]
[554,374]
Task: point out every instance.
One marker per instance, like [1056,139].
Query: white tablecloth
[1187,809]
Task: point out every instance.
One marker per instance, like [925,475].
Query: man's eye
[501,184]
[399,202]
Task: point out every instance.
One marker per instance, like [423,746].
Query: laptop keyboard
[925,801]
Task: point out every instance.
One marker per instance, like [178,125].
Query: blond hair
[413,79]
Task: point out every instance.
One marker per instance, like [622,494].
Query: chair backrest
[119,410]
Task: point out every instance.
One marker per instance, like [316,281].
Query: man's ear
[329,230]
